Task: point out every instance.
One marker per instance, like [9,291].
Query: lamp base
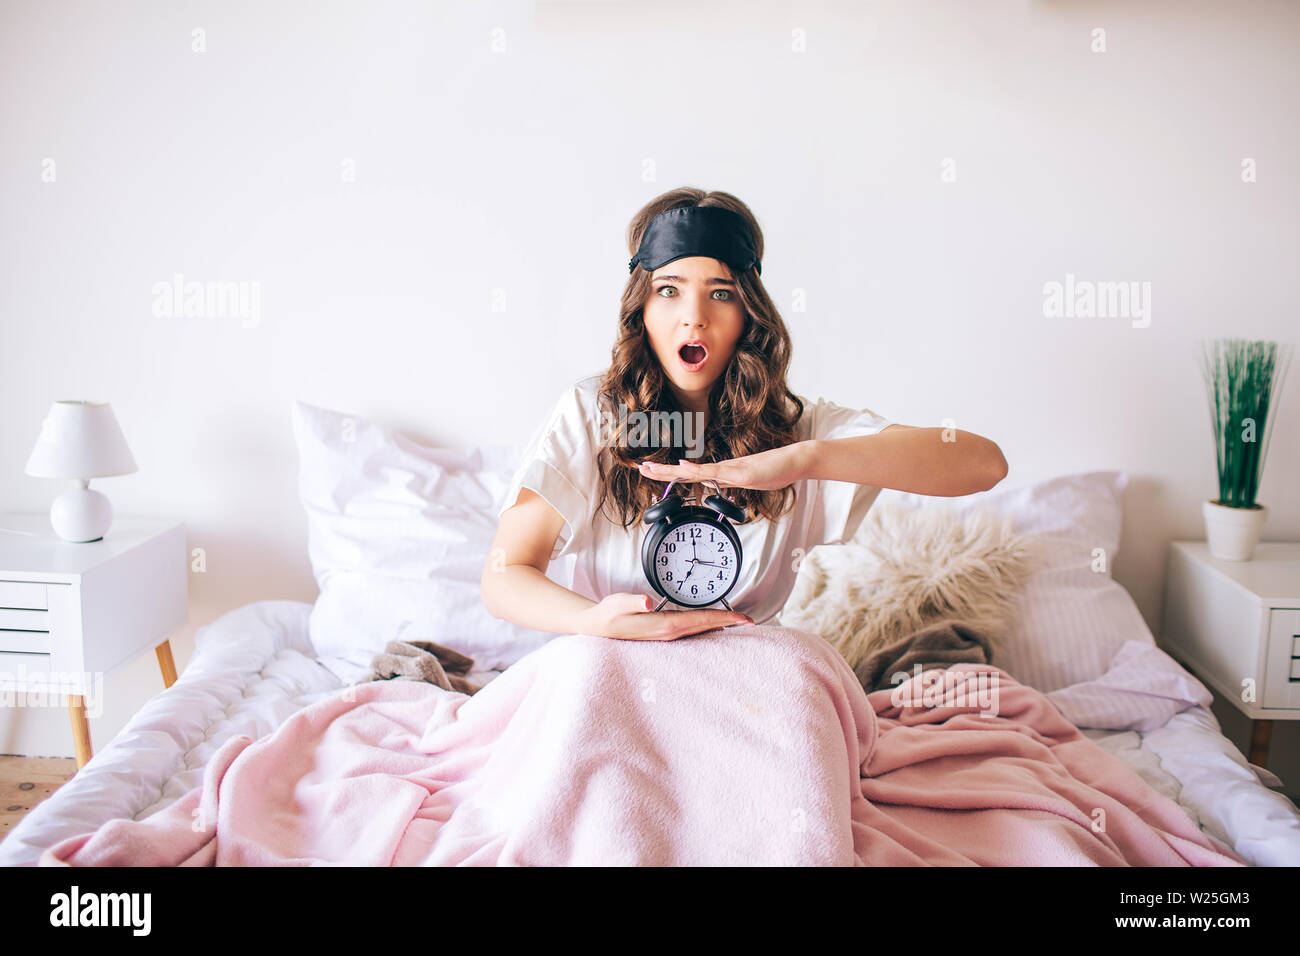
[81,515]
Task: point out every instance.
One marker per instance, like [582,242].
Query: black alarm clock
[691,555]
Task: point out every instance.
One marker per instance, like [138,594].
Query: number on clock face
[695,563]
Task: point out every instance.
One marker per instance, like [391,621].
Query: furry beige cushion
[907,568]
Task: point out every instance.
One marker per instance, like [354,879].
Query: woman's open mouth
[693,356]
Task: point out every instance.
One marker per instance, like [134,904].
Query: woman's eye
[726,293]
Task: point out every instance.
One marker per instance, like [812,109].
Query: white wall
[499,151]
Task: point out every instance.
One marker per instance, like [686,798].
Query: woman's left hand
[765,471]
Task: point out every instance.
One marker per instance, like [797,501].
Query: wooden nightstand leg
[80,729]
[1261,732]
[165,662]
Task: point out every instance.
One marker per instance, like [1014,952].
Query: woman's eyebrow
[714,281]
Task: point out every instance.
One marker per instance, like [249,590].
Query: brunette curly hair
[751,408]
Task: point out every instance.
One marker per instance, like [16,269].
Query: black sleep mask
[711,231]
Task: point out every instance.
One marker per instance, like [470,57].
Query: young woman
[699,338]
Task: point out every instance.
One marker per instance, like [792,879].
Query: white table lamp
[80,440]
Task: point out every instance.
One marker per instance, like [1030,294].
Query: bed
[255,666]
[397,537]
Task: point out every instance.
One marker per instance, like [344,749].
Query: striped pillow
[1070,618]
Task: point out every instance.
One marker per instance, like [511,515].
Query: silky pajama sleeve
[842,504]
[559,463]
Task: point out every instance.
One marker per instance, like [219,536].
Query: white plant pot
[1232,533]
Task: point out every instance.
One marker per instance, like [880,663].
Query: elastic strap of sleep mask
[711,231]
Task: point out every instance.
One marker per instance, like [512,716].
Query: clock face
[696,563]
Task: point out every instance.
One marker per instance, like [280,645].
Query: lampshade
[80,440]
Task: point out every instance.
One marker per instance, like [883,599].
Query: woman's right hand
[629,617]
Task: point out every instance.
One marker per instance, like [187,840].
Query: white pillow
[1069,620]
[398,534]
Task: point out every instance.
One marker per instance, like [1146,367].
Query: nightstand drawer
[1282,673]
[25,594]
[16,619]
[16,667]
[25,642]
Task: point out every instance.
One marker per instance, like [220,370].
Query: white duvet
[255,666]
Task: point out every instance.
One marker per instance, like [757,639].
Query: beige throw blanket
[937,645]
[423,661]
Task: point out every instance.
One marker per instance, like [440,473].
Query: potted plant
[1243,379]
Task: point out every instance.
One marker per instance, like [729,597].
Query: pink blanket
[754,745]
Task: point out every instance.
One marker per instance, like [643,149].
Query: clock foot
[661,604]
[727,606]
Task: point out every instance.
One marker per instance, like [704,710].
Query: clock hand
[694,560]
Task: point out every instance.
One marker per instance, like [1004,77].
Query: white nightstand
[70,614]
[1236,626]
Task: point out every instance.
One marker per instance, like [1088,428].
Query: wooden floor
[26,781]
